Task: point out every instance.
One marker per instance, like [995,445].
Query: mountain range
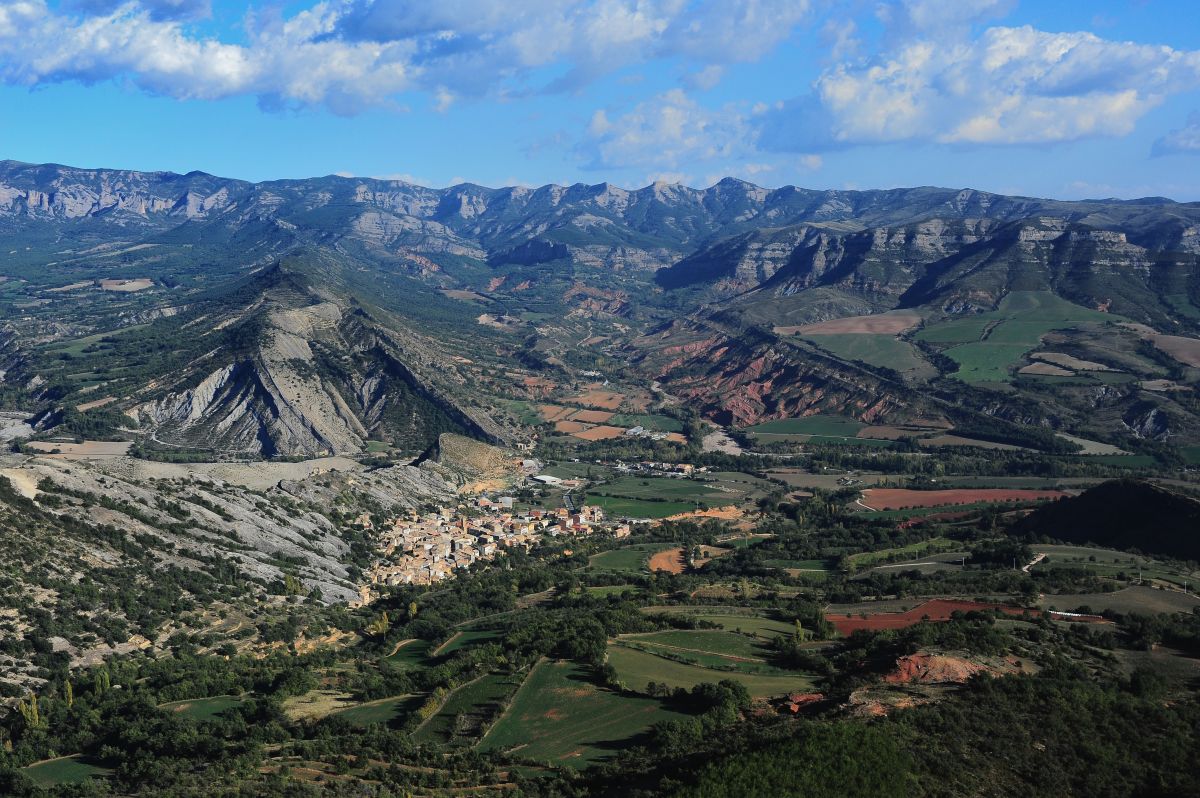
[305,317]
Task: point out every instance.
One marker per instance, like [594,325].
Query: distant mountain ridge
[690,287]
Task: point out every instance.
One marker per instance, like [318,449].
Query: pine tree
[70,694]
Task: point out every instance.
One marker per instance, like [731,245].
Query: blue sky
[1063,99]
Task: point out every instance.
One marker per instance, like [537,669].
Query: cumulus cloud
[349,54]
[286,62]
[1184,141]
[1008,85]
[666,132]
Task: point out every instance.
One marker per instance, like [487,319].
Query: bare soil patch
[1185,350]
[127,286]
[592,416]
[570,427]
[81,450]
[605,400]
[670,560]
[601,433]
[903,498]
[880,323]
[1070,362]
[934,610]
[1045,370]
[553,412]
[86,406]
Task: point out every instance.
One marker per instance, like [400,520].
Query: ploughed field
[935,610]
[904,498]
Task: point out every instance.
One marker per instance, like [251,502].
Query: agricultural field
[463,639]
[627,559]
[904,498]
[744,622]
[891,323]
[827,426]
[410,654]
[656,497]
[870,558]
[885,351]
[64,770]
[558,715]
[385,710]
[649,421]
[638,668]
[934,610]
[624,507]
[1134,599]
[464,714]
[202,708]
[988,346]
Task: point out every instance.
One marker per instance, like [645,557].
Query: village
[423,548]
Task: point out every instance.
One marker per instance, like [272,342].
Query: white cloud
[349,54]
[1184,141]
[706,78]
[286,62]
[665,133]
[1005,86]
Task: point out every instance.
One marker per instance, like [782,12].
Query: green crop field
[954,331]
[707,641]
[202,708]
[747,622]
[465,638]
[461,717]
[649,421]
[658,487]
[628,559]
[385,710]
[834,426]
[413,654]
[559,716]
[64,770]
[1003,336]
[622,507]
[886,351]
[868,558]
[638,668]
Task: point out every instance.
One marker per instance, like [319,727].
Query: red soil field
[601,433]
[903,498]
[934,610]
[670,561]
[570,427]
[592,416]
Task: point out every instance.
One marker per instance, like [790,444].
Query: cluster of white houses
[421,549]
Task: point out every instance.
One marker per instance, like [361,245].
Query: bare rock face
[742,380]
